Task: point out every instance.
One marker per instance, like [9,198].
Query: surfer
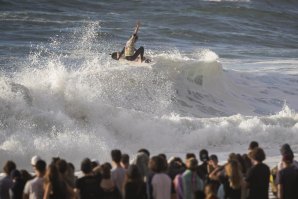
[129,51]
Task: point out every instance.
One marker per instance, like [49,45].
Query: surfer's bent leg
[140,51]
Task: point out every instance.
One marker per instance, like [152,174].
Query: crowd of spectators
[242,176]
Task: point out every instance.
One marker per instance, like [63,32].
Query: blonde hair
[233,171]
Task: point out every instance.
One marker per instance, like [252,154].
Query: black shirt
[89,187]
[135,190]
[288,179]
[258,178]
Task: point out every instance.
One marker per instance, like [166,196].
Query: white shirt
[34,188]
[118,176]
[161,184]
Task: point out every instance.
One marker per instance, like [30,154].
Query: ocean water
[223,73]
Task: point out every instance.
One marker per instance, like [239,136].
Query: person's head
[86,166]
[34,159]
[213,160]
[105,171]
[25,175]
[191,164]
[9,166]
[232,156]
[40,167]
[114,55]
[287,159]
[286,150]
[257,155]
[190,155]
[62,166]
[156,164]
[116,156]
[124,160]
[15,175]
[233,171]
[163,156]
[144,151]
[94,163]
[210,190]
[204,155]
[52,174]
[253,145]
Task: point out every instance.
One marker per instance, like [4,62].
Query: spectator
[18,185]
[134,186]
[55,186]
[87,187]
[34,188]
[212,163]
[202,169]
[6,183]
[125,161]
[258,176]
[142,160]
[252,146]
[210,191]
[233,181]
[109,188]
[118,173]
[159,183]
[288,179]
[191,182]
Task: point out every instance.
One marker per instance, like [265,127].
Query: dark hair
[144,151]
[116,155]
[86,166]
[133,173]
[125,158]
[204,155]
[62,166]
[286,150]
[25,175]
[105,171]
[241,163]
[163,156]
[9,167]
[213,157]
[288,158]
[15,174]
[41,166]
[192,164]
[114,55]
[55,160]
[156,164]
[258,154]
[190,155]
[70,165]
[94,164]
[53,178]
[253,144]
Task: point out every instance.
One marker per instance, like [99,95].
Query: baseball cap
[34,159]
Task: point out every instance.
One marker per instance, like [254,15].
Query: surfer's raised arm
[137,28]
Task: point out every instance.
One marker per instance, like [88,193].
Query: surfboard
[136,62]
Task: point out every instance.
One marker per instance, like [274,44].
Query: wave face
[62,95]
